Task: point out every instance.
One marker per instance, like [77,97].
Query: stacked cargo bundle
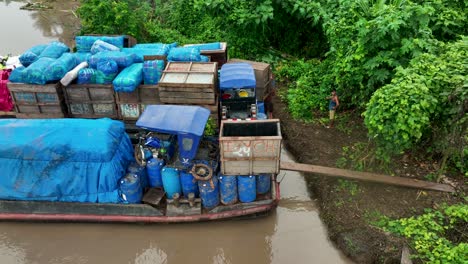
[92,94]
[216,51]
[191,83]
[33,86]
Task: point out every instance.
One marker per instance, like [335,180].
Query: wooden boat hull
[126,213]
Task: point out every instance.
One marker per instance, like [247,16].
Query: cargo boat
[79,170]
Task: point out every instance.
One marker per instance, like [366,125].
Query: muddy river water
[293,233]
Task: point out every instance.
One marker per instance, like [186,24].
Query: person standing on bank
[268,98]
[332,106]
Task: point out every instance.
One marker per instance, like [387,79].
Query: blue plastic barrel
[171,181]
[246,186]
[189,184]
[263,183]
[228,189]
[130,188]
[209,192]
[260,107]
[140,171]
[153,168]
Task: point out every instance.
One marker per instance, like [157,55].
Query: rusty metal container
[250,147]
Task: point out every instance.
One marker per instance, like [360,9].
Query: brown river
[293,233]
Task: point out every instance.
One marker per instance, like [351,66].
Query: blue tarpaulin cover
[187,122]
[236,75]
[70,160]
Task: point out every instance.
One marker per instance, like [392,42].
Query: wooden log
[366,176]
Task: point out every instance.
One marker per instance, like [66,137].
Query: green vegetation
[431,234]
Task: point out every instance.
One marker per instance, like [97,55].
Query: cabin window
[187,144]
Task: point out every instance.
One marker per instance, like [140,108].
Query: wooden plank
[186,89]
[366,176]
[187,95]
[405,256]
[175,100]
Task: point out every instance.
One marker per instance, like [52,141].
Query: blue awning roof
[237,75]
[174,119]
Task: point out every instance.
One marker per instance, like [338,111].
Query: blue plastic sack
[157,46]
[35,73]
[140,53]
[129,79]
[152,71]
[31,55]
[86,75]
[204,58]
[60,67]
[184,54]
[106,71]
[207,46]
[82,57]
[54,50]
[122,59]
[100,45]
[84,43]
[16,75]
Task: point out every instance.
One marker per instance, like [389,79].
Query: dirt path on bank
[347,206]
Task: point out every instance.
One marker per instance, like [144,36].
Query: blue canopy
[237,75]
[187,122]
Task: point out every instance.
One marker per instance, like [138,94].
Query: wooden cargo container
[91,100]
[250,147]
[38,101]
[131,105]
[220,56]
[189,83]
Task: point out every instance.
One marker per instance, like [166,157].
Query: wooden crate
[131,105]
[91,100]
[220,56]
[262,71]
[38,101]
[189,83]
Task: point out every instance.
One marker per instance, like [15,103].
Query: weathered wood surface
[365,176]
[405,256]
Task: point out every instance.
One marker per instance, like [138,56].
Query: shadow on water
[26,28]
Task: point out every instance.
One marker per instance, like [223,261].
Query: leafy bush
[435,235]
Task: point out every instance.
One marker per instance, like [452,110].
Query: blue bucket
[189,184]
[130,188]
[171,181]
[140,171]
[153,168]
[263,183]
[228,189]
[246,186]
[209,192]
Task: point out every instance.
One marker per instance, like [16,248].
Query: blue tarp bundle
[16,75]
[54,50]
[184,54]
[82,57]
[166,47]
[139,53]
[129,78]
[236,75]
[152,71]
[100,45]
[206,46]
[31,55]
[71,160]
[106,71]
[122,59]
[86,75]
[60,67]
[36,72]
[84,43]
